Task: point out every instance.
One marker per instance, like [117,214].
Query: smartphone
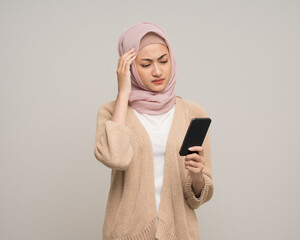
[195,135]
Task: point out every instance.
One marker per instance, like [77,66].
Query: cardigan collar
[136,120]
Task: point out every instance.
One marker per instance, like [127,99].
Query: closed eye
[150,64]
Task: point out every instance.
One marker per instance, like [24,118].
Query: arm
[198,186]
[112,146]
[206,191]
[120,109]
[112,142]
[204,187]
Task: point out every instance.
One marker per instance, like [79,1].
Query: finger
[128,52]
[200,160]
[131,59]
[194,164]
[193,156]
[200,149]
[124,55]
[195,148]
[128,63]
[199,163]
[125,61]
[193,169]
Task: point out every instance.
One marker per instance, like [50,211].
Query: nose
[156,70]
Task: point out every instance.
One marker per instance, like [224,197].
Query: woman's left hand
[195,163]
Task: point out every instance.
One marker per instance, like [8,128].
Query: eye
[149,64]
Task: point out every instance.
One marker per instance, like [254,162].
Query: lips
[158,80]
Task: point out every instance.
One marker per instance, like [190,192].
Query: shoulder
[195,109]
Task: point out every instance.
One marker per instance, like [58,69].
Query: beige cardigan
[131,211]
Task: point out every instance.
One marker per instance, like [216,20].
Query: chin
[158,89]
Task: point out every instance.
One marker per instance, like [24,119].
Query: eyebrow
[150,60]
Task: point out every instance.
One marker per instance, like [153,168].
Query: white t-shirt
[158,127]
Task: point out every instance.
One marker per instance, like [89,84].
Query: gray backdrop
[237,59]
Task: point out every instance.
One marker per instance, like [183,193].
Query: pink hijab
[142,99]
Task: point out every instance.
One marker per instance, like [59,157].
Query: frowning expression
[154,62]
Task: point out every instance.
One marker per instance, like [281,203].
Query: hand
[195,164]
[123,72]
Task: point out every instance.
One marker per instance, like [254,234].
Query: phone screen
[195,135]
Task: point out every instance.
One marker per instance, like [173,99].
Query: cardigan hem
[166,233]
[147,233]
[144,234]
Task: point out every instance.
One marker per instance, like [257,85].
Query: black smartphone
[195,135]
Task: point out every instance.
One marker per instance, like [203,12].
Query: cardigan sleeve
[112,142]
[205,195]
[208,189]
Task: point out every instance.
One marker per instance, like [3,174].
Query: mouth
[158,81]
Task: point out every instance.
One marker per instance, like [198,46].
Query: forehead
[153,51]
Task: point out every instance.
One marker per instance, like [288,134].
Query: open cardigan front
[131,211]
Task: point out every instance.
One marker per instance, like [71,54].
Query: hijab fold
[141,98]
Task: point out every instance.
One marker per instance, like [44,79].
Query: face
[154,62]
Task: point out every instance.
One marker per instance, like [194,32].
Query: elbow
[114,161]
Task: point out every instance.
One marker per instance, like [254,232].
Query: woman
[153,191]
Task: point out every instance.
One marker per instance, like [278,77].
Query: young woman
[154,191]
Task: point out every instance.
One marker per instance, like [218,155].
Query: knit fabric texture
[131,205]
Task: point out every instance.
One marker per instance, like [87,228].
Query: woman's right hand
[123,72]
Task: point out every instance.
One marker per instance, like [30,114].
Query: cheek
[168,68]
[168,64]
[143,73]
[140,70]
